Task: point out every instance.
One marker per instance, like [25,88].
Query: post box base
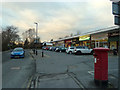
[102,83]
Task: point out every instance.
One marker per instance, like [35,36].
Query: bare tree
[9,34]
[29,34]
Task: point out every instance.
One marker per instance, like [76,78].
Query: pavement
[61,70]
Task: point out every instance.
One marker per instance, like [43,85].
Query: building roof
[91,32]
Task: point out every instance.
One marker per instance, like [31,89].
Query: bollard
[36,52]
[42,54]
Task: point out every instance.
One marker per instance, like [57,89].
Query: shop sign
[60,42]
[85,37]
[68,41]
[100,36]
[114,34]
[74,40]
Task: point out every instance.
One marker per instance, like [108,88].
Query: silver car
[70,50]
[82,49]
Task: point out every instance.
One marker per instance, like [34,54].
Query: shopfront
[99,40]
[68,43]
[113,39]
[85,41]
[60,43]
[75,42]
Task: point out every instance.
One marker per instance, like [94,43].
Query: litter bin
[114,51]
[101,66]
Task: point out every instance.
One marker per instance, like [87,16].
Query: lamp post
[36,35]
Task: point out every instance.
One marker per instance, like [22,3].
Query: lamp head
[35,23]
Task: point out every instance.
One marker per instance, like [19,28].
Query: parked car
[62,49]
[18,53]
[44,48]
[57,49]
[53,48]
[47,48]
[69,50]
[50,48]
[82,49]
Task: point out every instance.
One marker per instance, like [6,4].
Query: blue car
[18,53]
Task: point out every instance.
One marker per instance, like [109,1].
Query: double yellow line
[28,84]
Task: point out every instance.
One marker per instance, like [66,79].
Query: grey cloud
[60,19]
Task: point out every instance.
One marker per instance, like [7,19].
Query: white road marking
[91,72]
[17,68]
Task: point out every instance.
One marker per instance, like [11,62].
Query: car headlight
[12,53]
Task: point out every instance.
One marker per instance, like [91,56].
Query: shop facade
[60,43]
[68,43]
[85,40]
[99,40]
[75,42]
[113,40]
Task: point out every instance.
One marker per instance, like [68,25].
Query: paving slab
[81,66]
[57,81]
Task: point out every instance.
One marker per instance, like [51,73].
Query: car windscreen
[78,47]
[72,48]
[18,50]
[86,47]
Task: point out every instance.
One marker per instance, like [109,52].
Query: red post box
[101,66]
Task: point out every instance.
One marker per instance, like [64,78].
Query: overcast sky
[58,19]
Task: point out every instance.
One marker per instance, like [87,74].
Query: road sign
[117,20]
[116,8]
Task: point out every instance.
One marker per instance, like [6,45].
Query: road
[54,70]
[16,72]
[77,70]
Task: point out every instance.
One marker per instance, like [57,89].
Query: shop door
[97,44]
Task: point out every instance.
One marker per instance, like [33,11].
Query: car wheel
[70,52]
[92,52]
[78,52]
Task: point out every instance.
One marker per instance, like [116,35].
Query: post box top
[101,49]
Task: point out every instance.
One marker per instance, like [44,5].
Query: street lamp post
[36,35]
